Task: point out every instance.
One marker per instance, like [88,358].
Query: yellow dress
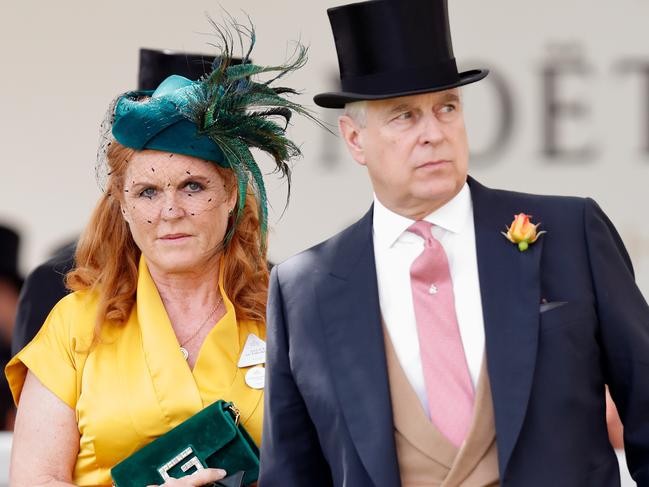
[135,385]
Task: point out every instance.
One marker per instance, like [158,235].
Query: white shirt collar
[453,216]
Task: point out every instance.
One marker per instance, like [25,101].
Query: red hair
[107,256]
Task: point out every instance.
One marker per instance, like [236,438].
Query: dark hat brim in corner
[339,99]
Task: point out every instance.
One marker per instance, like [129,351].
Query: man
[422,347]
[10,283]
[43,288]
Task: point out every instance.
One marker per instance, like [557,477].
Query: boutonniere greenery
[522,231]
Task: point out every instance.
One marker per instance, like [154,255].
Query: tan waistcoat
[425,456]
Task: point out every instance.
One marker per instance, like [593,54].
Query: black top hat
[391,48]
[9,243]
[156,66]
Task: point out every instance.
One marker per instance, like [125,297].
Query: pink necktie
[446,374]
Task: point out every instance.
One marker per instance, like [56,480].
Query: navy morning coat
[328,416]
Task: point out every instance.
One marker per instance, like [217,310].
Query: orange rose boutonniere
[522,231]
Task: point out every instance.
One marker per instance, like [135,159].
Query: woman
[170,282]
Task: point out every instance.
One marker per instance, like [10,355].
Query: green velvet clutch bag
[212,438]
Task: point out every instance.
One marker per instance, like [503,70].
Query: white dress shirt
[395,249]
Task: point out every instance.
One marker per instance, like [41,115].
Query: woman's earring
[230,211]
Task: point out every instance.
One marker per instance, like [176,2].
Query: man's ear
[350,131]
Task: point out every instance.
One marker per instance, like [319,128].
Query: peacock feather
[239,113]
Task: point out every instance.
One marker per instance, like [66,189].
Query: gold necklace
[183,350]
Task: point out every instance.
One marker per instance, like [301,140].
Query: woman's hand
[197,479]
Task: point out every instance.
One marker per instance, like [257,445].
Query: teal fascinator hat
[220,117]
[156,120]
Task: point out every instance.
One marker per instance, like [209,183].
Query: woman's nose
[172,206]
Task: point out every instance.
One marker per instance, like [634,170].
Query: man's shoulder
[51,273]
[535,198]
[538,205]
[323,257]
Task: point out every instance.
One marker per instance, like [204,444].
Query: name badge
[254,352]
[256,377]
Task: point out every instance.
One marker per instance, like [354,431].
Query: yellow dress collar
[215,374]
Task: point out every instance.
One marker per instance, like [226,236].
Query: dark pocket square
[552,305]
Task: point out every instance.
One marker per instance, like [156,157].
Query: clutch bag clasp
[237,414]
[192,462]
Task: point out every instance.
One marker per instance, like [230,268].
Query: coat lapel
[510,291]
[349,305]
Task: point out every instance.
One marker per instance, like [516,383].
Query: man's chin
[440,191]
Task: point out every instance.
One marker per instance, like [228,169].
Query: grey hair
[357,111]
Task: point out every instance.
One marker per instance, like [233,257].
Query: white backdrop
[566,110]
[62,62]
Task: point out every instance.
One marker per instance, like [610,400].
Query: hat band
[402,80]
